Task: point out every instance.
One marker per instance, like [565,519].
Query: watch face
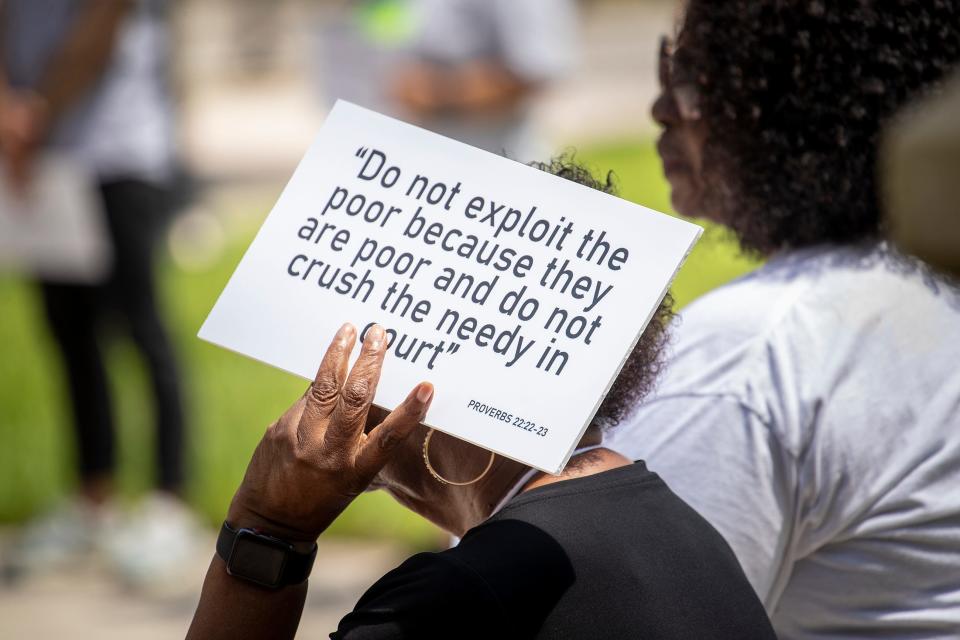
[258,559]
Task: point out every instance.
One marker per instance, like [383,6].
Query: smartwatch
[261,559]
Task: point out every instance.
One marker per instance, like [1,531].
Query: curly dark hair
[567,166]
[642,368]
[640,372]
[795,93]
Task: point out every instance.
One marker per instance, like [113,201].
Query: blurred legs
[136,212]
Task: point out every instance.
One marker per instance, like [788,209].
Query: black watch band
[262,559]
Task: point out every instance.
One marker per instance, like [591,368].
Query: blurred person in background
[86,78]
[466,69]
[474,65]
[921,172]
[811,410]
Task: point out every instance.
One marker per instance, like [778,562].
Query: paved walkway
[84,602]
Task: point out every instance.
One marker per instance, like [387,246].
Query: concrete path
[85,602]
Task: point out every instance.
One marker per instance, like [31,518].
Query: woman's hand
[316,458]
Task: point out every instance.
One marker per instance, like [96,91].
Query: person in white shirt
[921,178]
[811,410]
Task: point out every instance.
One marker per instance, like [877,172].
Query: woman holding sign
[576,555]
[810,411]
[572,556]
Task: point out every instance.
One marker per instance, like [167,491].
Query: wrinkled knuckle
[355,394]
[324,391]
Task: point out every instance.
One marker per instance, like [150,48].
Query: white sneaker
[157,544]
[60,537]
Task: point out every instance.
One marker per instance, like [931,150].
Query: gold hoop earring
[440,478]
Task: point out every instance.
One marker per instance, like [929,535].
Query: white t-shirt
[811,412]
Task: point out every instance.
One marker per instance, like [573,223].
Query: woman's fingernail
[375,336]
[424,393]
[345,333]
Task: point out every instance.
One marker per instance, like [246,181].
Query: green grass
[230,399]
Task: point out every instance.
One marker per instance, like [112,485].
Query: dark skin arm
[27,116]
[307,469]
[476,87]
[231,608]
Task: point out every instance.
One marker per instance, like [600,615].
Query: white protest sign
[517,293]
